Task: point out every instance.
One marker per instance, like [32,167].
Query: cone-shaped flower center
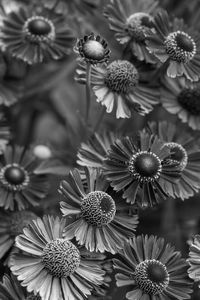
[145,166]
[121,76]
[19,220]
[14,177]
[180,46]
[138,24]
[39,26]
[151,276]
[189,99]
[60,258]
[33,297]
[98,208]
[177,155]
[94,50]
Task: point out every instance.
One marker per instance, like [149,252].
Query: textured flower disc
[121,76]
[94,50]
[39,29]
[14,177]
[137,25]
[98,208]
[189,99]
[180,46]
[178,155]
[19,220]
[60,258]
[145,166]
[151,276]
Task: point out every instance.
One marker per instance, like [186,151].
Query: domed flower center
[121,76]
[38,28]
[180,46]
[14,177]
[19,220]
[151,276]
[94,50]
[145,166]
[177,155]
[33,297]
[189,99]
[138,24]
[98,208]
[61,258]
[42,152]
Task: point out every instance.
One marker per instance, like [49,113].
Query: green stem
[98,123]
[88,92]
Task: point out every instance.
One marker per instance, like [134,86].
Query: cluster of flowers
[117,174]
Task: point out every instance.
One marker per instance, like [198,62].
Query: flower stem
[88,92]
[98,123]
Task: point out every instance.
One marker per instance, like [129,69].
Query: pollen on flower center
[19,220]
[189,99]
[94,50]
[60,258]
[177,154]
[137,25]
[180,46]
[145,166]
[98,208]
[121,76]
[151,276]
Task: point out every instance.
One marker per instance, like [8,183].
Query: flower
[153,270]
[139,169]
[181,97]
[55,265]
[93,152]
[176,45]
[130,22]
[100,224]
[36,36]
[93,49]
[18,181]
[193,260]
[118,85]
[10,289]
[11,225]
[184,150]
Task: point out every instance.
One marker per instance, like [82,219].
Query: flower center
[138,24]
[14,177]
[94,50]
[121,76]
[98,208]
[151,276]
[19,220]
[60,258]
[180,46]
[189,99]
[145,166]
[33,297]
[42,152]
[38,29]
[177,155]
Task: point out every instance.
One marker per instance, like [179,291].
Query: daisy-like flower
[194,259]
[93,49]
[183,150]
[36,36]
[130,21]
[52,266]
[118,85]
[176,45]
[139,168]
[181,97]
[11,225]
[100,223]
[153,270]
[19,184]
[93,152]
[10,289]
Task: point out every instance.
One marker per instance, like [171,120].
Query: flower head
[99,222]
[118,86]
[139,169]
[56,265]
[177,45]
[93,49]
[19,184]
[193,260]
[35,36]
[153,270]
[130,21]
